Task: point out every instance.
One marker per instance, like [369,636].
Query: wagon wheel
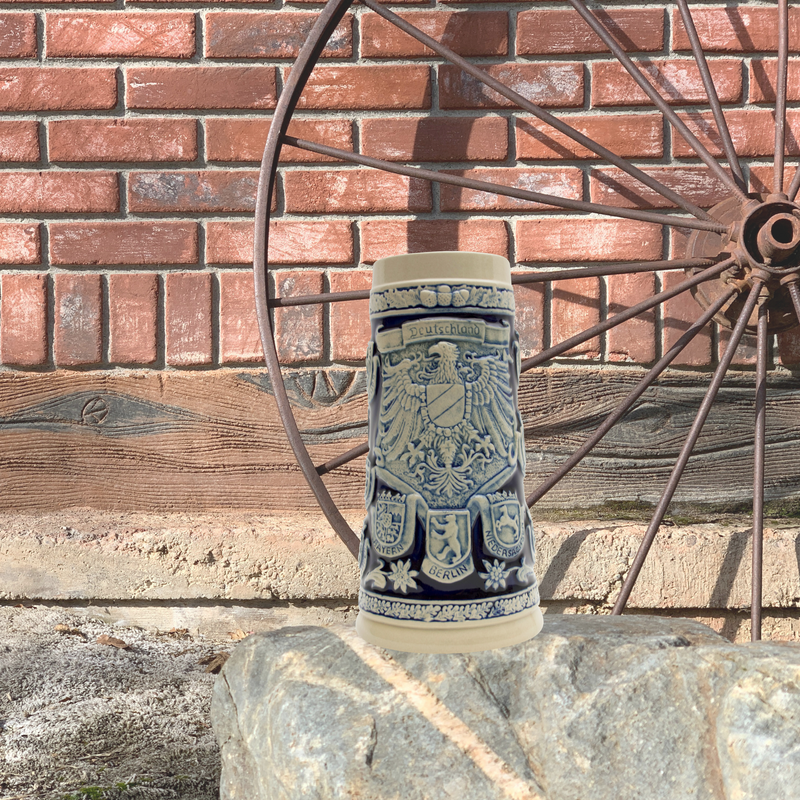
[742,261]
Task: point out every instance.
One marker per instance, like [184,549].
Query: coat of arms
[503,524]
[393,524]
[448,545]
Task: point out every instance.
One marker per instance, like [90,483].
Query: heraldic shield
[446,403]
[447,552]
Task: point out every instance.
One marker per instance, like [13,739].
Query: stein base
[449,637]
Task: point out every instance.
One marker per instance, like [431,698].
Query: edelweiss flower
[495,576]
[402,576]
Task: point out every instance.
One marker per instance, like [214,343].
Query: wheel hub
[763,237]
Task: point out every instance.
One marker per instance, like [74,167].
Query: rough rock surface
[246,556]
[594,707]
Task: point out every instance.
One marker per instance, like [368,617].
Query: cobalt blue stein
[447,552]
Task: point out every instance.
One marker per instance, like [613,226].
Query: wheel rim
[742,259]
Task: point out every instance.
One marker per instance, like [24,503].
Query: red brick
[350,326]
[529,317]
[390,237]
[19,140]
[58,192]
[580,239]
[230,242]
[576,307]
[614,187]
[762,177]
[677,81]
[55,2]
[435,138]
[752,132]
[679,314]
[789,347]
[201,87]
[473,33]
[17,36]
[129,242]
[559,84]
[320,2]
[57,88]
[627,135]
[678,241]
[223,2]
[133,318]
[235,139]
[239,339]
[298,329]
[763,74]
[290,242]
[270,34]
[77,335]
[634,340]
[188,318]
[148,139]
[563,31]
[201,190]
[23,320]
[140,34]
[561,182]
[370,87]
[20,243]
[736,29]
[353,191]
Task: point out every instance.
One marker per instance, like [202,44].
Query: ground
[82,719]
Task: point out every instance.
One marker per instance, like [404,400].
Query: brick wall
[130,135]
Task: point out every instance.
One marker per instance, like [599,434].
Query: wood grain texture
[141,440]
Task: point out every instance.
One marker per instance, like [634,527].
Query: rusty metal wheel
[742,261]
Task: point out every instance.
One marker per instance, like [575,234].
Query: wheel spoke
[624,316]
[644,84]
[623,408]
[602,270]
[711,93]
[345,458]
[527,277]
[780,93]
[794,293]
[503,90]
[505,191]
[758,473]
[318,299]
[688,447]
[795,185]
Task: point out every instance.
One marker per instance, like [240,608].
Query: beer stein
[447,551]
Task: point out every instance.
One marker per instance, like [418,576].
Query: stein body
[447,551]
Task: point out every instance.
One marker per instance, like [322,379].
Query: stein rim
[441,267]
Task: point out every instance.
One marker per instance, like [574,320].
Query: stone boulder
[599,708]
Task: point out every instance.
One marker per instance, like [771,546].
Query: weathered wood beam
[213,440]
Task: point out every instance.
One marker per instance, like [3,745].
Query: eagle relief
[446,425]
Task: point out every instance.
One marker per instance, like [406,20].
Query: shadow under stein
[447,552]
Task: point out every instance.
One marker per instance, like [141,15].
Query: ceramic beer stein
[447,552]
